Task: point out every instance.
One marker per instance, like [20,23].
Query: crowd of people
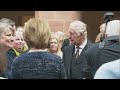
[32,51]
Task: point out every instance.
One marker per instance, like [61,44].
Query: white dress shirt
[81,46]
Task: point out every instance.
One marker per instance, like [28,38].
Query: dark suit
[68,58]
[65,43]
[95,56]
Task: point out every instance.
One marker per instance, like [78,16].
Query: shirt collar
[83,44]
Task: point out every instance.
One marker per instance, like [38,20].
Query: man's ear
[81,34]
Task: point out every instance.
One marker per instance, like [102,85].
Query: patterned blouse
[38,65]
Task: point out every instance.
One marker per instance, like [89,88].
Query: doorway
[19,17]
[94,19]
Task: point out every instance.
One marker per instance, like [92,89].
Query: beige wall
[59,20]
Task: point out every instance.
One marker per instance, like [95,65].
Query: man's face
[71,35]
[74,37]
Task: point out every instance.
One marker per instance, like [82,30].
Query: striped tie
[77,53]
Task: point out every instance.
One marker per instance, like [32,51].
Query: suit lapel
[86,47]
[82,53]
[69,60]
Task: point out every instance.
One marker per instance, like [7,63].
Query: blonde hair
[58,52]
[20,28]
[37,33]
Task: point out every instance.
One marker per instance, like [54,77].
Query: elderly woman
[19,45]
[37,63]
[6,38]
[9,21]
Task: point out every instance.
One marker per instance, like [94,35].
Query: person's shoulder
[90,43]
[92,50]
[109,70]
[110,65]
[52,56]
[20,58]
[113,64]
[11,52]
[93,47]
[66,41]
[104,66]
[69,46]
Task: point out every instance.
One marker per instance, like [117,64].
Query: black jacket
[65,43]
[95,56]
[67,58]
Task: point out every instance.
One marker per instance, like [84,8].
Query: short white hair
[60,33]
[79,27]
[113,28]
[20,28]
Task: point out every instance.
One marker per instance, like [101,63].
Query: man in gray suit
[73,55]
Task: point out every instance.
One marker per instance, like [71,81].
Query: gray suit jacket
[67,58]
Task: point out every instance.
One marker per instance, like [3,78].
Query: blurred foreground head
[37,33]
[113,28]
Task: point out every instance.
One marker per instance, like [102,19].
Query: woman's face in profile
[53,45]
[6,40]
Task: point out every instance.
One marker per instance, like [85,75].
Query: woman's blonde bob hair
[37,33]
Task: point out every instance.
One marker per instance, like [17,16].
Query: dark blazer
[67,58]
[95,56]
[65,43]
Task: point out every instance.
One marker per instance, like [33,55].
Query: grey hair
[20,28]
[4,27]
[79,27]
[113,28]
[8,21]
